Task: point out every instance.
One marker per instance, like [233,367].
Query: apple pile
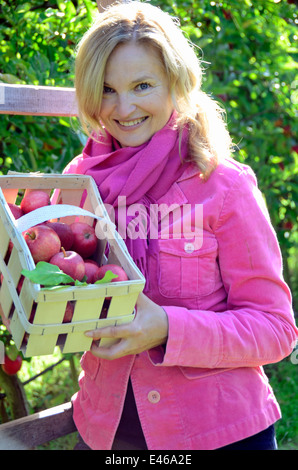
[66,246]
[70,247]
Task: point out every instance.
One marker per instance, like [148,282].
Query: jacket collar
[190,171]
[175,196]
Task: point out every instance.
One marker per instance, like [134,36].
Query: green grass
[284,381]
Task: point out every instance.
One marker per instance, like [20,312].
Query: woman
[187,372]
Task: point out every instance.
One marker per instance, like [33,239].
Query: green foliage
[37,44]
[282,377]
[249,52]
[52,388]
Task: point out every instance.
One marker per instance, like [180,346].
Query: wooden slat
[37,100]
[37,429]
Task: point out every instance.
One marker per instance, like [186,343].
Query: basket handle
[49,212]
[108,228]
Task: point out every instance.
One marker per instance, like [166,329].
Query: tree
[251,69]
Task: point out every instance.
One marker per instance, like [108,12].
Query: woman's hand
[148,329]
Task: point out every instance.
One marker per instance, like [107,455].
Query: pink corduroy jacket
[229,313]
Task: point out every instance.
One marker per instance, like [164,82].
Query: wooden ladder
[39,428]
[37,100]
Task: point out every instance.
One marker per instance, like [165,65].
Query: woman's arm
[258,326]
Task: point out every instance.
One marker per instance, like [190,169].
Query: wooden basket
[94,305]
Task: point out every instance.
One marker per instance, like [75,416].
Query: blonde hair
[209,140]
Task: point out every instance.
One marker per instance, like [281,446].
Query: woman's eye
[107,89]
[143,86]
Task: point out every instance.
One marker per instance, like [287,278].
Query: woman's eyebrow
[143,78]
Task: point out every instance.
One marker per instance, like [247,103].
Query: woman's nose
[125,105]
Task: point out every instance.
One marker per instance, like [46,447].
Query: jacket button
[153,396]
[189,247]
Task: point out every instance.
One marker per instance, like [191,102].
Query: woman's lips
[132,123]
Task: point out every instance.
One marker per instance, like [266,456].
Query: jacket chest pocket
[187,270]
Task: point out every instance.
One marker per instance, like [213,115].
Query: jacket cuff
[168,355]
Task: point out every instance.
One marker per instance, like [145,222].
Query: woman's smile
[133,123]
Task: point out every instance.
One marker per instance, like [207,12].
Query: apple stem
[31,235]
[64,252]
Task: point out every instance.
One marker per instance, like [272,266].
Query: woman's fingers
[148,329]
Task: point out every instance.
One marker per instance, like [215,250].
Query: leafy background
[250,54]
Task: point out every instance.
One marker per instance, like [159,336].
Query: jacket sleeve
[258,324]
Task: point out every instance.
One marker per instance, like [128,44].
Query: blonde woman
[187,372]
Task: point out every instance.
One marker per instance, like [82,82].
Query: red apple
[85,240]
[91,269]
[11,366]
[43,242]
[69,311]
[104,313]
[31,318]
[16,210]
[33,312]
[92,261]
[20,284]
[34,199]
[8,252]
[287,224]
[64,232]
[25,339]
[70,263]
[227,15]
[122,276]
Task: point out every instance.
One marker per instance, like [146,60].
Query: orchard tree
[249,52]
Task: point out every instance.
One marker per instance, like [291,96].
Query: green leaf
[70,10]
[51,277]
[47,274]
[61,5]
[108,277]
[12,352]
[91,9]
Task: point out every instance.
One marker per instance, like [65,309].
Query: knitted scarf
[141,174]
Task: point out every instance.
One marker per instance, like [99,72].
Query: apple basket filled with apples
[64,269]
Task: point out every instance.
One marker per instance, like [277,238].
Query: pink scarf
[142,174]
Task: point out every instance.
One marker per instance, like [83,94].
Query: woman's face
[136,99]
